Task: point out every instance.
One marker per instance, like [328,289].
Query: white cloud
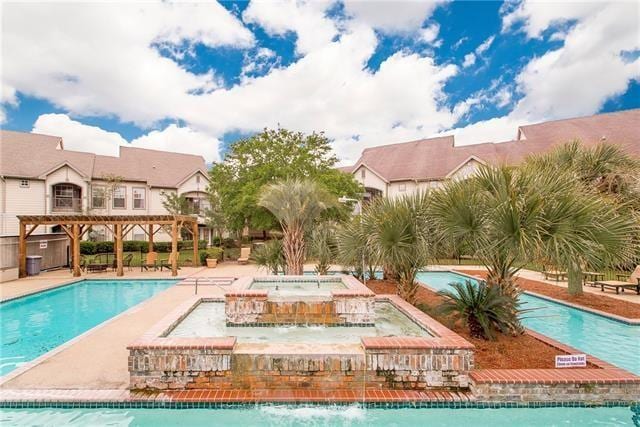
[573,80]
[469,60]
[92,139]
[97,58]
[485,45]
[305,18]
[391,16]
[429,34]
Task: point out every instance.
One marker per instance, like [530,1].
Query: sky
[195,77]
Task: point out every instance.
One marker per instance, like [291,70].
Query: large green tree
[268,157]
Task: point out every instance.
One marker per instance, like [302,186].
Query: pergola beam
[76,226]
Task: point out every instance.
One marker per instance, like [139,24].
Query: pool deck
[99,356]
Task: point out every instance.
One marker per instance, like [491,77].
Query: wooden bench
[617,285]
[555,275]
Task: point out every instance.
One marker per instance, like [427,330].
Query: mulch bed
[506,352]
[598,302]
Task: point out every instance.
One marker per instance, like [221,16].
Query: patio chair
[618,285]
[166,263]
[96,265]
[150,261]
[126,262]
[244,255]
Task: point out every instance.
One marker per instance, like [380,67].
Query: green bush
[87,248]
[104,247]
[211,253]
[229,243]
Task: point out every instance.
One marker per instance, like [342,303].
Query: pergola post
[22,250]
[76,249]
[150,238]
[119,245]
[196,257]
[174,247]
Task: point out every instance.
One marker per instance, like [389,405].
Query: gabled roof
[28,155]
[437,158]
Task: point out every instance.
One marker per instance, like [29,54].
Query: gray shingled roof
[29,155]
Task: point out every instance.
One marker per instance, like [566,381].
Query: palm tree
[353,251]
[484,309]
[323,246]
[510,217]
[296,205]
[270,256]
[395,235]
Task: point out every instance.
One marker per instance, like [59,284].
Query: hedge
[92,248]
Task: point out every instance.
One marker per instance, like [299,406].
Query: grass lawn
[186,257]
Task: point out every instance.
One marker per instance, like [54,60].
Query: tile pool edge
[386,399]
[34,362]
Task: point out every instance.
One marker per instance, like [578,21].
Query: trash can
[33,265]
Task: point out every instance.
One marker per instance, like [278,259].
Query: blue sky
[194,78]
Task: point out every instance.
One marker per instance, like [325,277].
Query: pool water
[33,325]
[352,415]
[208,320]
[298,288]
[615,342]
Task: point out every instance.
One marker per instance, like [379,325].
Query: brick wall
[557,392]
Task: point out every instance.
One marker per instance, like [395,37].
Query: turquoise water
[609,340]
[318,416]
[33,325]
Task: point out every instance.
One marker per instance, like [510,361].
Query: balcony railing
[67,204]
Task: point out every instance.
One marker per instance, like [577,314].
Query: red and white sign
[571,361]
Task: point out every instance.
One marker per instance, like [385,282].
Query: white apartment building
[38,177]
[397,169]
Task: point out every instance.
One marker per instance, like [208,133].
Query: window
[24,183]
[66,197]
[98,199]
[402,187]
[139,195]
[120,198]
[363,173]
[198,179]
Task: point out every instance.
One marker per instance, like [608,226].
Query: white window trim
[104,196]
[26,183]
[113,198]
[144,198]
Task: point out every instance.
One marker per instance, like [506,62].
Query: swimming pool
[33,325]
[612,341]
[351,415]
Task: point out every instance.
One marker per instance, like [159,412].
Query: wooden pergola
[76,226]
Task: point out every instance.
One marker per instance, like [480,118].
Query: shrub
[211,253]
[229,243]
[270,255]
[104,247]
[87,248]
[484,309]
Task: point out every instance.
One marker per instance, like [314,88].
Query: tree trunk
[293,245]
[574,275]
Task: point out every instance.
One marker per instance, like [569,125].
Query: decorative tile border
[383,399]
